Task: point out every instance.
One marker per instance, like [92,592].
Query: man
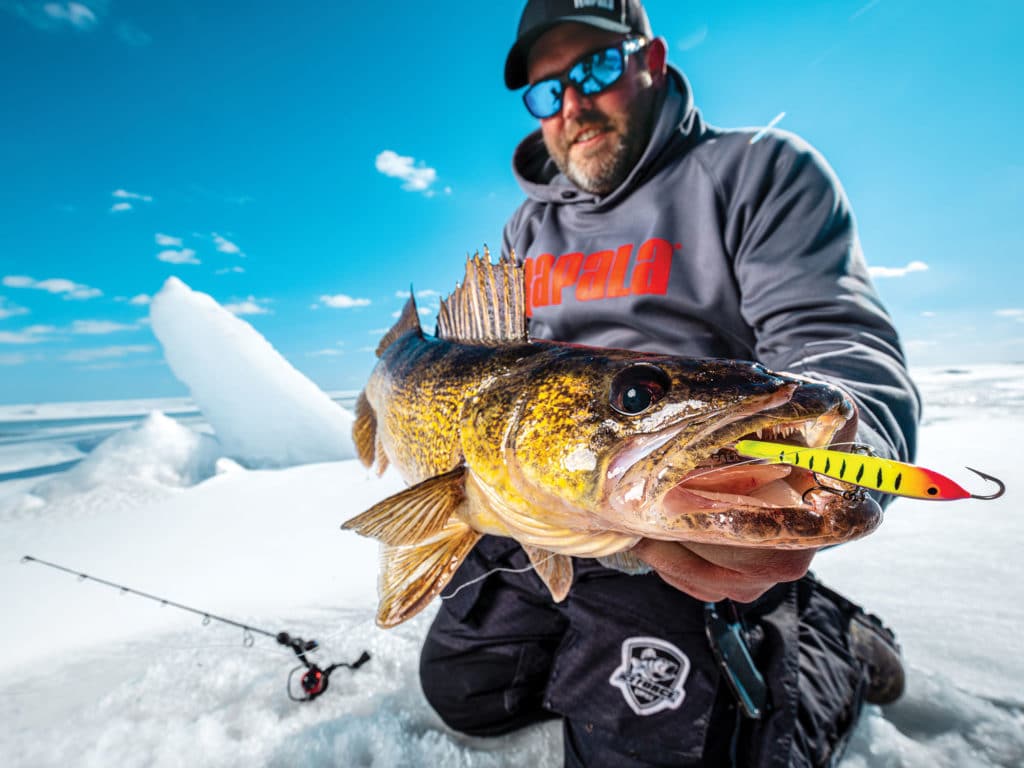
[645,228]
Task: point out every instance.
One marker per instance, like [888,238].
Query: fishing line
[530,567]
[313,681]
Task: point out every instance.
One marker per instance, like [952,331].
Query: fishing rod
[314,680]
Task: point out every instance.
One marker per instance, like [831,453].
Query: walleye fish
[577,451]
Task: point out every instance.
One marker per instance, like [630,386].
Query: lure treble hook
[996,480]
[848,495]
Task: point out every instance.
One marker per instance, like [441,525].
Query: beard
[603,168]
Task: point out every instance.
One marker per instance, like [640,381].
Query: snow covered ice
[89,677]
[264,412]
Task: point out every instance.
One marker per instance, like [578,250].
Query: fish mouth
[703,490]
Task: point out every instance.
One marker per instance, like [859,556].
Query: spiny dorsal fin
[489,307]
[554,570]
[364,430]
[414,514]
[412,576]
[409,320]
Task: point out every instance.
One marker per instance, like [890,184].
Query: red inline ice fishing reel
[314,680]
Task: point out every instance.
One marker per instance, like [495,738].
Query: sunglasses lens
[543,99]
[590,75]
[598,72]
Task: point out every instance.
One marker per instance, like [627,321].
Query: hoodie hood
[678,122]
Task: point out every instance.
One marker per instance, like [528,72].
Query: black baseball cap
[625,16]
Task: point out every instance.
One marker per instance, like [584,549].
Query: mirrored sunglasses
[592,74]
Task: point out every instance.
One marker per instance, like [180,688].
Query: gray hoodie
[715,247]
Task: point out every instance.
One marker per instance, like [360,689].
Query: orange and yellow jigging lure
[885,475]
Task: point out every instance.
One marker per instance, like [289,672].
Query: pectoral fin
[554,570]
[415,514]
[411,576]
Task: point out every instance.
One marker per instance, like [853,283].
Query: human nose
[573,102]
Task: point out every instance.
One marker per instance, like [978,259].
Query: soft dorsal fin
[489,307]
[409,320]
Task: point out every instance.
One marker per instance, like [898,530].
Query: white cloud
[140,300]
[124,194]
[10,310]
[118,207]
[424,311]
[327,353]
[33,334]
[248,306]
[53,15]
[864,9]
[341,301]
[426,293]
[184,256]
[1016,314]
[417,178]
[228,270]
[17,358]
[167,241]
[928,313]
[77,15]
[693,39]
[914,266]
[100,327]
[225,246]
[106,353]
[132,35]
[69,288]
[56,285]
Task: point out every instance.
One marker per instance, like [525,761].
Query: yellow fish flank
[576,451]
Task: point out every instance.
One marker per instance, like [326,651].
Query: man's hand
[713,572]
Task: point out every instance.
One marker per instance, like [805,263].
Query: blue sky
[305,163]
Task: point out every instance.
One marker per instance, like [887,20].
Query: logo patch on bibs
[652,675]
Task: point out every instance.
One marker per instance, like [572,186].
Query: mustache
[576,128]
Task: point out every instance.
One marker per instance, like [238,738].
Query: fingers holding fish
[713,572]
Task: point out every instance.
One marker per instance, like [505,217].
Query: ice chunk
[263,411]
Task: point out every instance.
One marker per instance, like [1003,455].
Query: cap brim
[515,64]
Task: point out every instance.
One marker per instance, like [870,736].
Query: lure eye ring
[637,387]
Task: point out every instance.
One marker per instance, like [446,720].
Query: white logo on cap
[608,5]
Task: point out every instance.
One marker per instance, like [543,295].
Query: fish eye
[637,388]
